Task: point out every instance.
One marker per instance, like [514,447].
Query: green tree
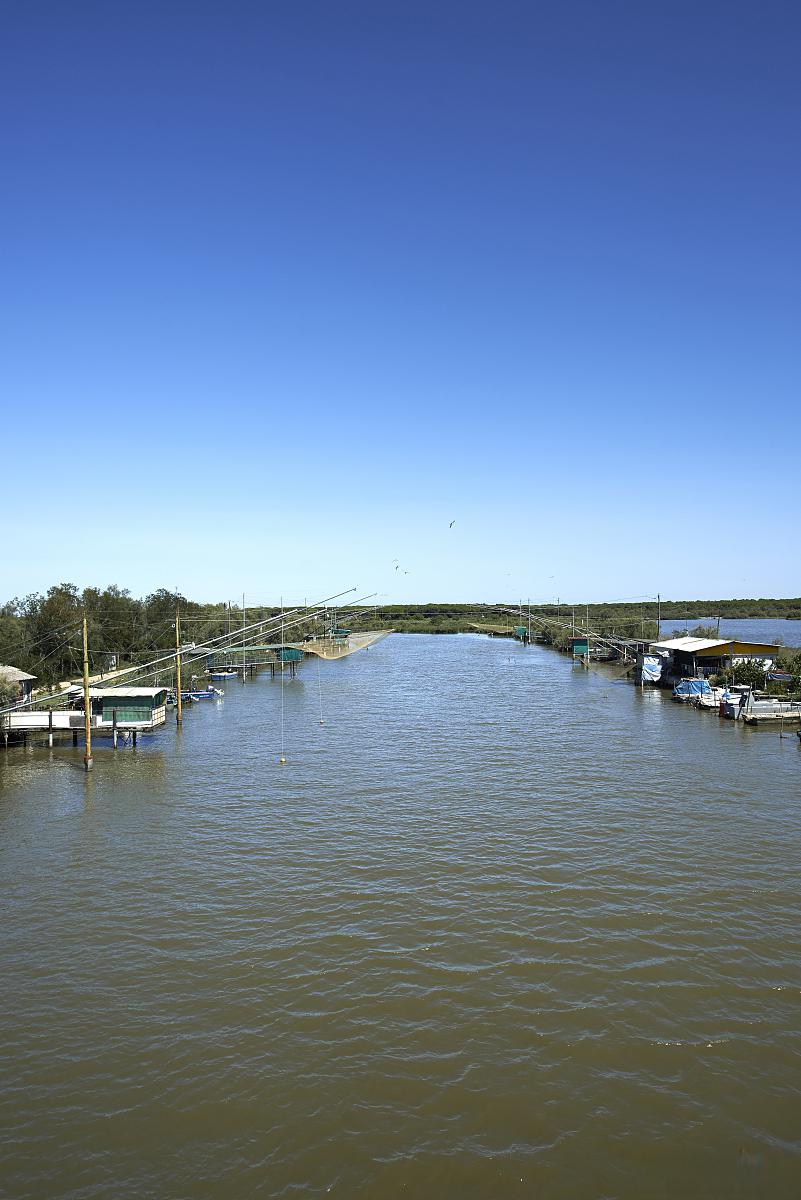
[9,692]
[52,632]
[752,673]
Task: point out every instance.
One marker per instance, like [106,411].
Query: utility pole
[87,708]
[529,620]
[587,622]
[178,711]
[658,616]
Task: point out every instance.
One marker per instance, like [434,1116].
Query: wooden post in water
[243,637]
[50,726]
[282,759]
[87,708]
[114,727]
[587,623]
[179,716]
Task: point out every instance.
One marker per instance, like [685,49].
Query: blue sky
[287,288]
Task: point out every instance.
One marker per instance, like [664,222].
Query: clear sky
[287,288]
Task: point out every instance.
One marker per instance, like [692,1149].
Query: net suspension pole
[178,711]
[320,688]
[243,637]
[282,758]
[87,707]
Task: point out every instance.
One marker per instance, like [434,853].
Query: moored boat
[732,701]
[690,691]
[711,700]
[760,708]
[209,693]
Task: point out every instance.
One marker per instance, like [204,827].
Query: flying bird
[397,568]
[453,522]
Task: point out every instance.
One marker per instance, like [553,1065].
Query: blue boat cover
[692,687]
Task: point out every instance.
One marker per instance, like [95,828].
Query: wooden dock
[494,630]
[71,720]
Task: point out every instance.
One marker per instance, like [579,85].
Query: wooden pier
[127,711]
[494,630]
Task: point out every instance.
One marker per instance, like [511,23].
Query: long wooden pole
[587,623]
[179,716]
[87,706]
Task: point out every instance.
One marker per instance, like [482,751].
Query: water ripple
[500,926]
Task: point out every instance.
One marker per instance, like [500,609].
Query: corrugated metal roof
[143,692]
[97,693]
[14,675]
[694,645]
[690,644]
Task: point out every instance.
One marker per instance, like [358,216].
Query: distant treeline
[42,633]
[633,619]
[733,609]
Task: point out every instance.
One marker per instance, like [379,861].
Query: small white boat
[760,708]
[711,700]
[732,701]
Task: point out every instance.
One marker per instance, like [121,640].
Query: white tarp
[652,668]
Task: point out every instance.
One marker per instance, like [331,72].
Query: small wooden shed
[135,707]
[24,682]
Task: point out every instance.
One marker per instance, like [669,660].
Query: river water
[499,927]
[751,629]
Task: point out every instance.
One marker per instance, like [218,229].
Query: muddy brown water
[499,927]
